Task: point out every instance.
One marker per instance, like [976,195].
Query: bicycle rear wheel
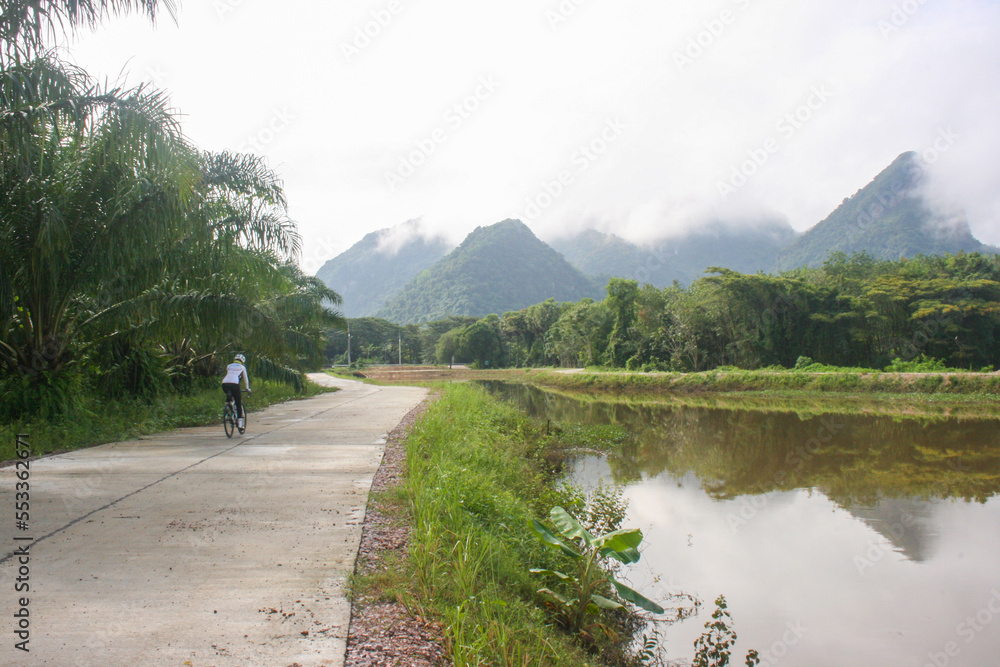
[228,420]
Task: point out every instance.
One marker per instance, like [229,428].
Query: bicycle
[229,422]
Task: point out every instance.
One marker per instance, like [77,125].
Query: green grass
[477,472]
[474,482]
[96,422]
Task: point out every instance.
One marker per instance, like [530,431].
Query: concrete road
[191,549]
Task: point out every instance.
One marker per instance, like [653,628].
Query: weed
[713,648]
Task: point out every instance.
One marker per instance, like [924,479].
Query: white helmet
[240,358]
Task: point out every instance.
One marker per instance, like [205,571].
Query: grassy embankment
[729,381]
[931,395]
[477,471]
[846,391]
[842,381]
[94,421]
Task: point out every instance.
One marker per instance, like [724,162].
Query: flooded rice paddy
[838,540]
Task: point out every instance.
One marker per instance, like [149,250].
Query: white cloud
[349,120]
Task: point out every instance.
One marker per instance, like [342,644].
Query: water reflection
[837,540]
[854,460]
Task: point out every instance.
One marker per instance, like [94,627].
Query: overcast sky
[638,117]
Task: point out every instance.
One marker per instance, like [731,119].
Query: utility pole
[348,342]
[400,349]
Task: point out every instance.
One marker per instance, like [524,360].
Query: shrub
[922,364]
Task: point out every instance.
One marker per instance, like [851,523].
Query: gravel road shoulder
[385,634]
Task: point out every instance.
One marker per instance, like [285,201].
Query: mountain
[497,269]
[906,523]
[404,276]
[747,248]
[380,265]
[888,219]
[596,254]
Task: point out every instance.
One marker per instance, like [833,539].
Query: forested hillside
[496,269]
[375,268]
[747,248]
[888,219]
[597,254]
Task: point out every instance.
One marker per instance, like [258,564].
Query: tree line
[853,311]
[131,262]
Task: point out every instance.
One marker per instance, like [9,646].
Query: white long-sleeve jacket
[234,372]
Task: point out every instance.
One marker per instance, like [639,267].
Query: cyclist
[231,384]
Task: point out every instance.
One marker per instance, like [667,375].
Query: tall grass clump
[475,480]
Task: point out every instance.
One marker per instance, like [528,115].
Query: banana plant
[591,582]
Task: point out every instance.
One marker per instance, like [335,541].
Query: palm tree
[230,284]
[93,182]
[117,235]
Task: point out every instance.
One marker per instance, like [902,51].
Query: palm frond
[25,25]
[267,369]
[243,200]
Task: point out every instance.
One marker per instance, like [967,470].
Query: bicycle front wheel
[244,429]
[228,420]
